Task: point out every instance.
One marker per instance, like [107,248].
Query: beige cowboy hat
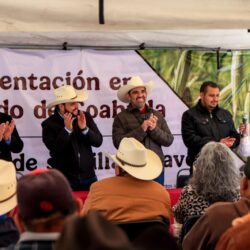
[7,187]
[136,160]
[66,94]
[134,82]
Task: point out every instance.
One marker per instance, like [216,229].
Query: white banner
[27,82]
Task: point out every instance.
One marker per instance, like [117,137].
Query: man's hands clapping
[6,130]
[81,121]
[228,141]
[150,123]
[69,118]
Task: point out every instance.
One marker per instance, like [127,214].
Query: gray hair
[216,176]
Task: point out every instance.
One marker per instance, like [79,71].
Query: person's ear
[240,220]
[244,186]
[61,108]
[19,223]
[79,206]
[117,170]
[128,96]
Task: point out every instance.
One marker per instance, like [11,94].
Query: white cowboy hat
[136,160]
[7,186]
[134,82]
[66,94]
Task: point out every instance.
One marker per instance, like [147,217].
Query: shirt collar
[204,109]
[26,236]
[131,108]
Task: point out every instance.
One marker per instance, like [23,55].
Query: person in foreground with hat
[69,134]
[8,231]
[218,218]
[44,200]
[132,194]
[140,121]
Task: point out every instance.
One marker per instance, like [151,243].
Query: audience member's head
[240,220]
[134,159]
[92,232]
[44,200]
[235,238]
[216,176]
[245,180]
[156,237]
[7,187]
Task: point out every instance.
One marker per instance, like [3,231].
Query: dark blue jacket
[16,144]
[8,232]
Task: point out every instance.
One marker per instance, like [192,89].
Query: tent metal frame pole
[67,46]
[101,12]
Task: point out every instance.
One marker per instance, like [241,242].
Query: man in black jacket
[69,134]
[206,122]
[10,142]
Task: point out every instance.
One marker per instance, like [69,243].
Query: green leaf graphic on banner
[185,70]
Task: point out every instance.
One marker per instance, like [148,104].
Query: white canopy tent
[126,24]
[105,24]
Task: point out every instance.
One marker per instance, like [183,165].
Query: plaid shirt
[35,241]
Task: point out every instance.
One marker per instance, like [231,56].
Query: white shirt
[244,147]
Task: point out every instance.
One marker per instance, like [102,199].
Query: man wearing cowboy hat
[132,194]
[69,134]
[140,121]
[8,201]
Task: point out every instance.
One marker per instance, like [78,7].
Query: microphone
[244,121]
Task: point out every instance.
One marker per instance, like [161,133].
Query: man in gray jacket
[140,121]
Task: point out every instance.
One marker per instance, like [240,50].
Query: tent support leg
[218,58]
[101,12]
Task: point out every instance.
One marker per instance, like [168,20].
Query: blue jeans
[160,178]
[82,185]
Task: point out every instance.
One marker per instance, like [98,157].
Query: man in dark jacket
[69,134]
[10,142]
[140,121]
[206,122]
